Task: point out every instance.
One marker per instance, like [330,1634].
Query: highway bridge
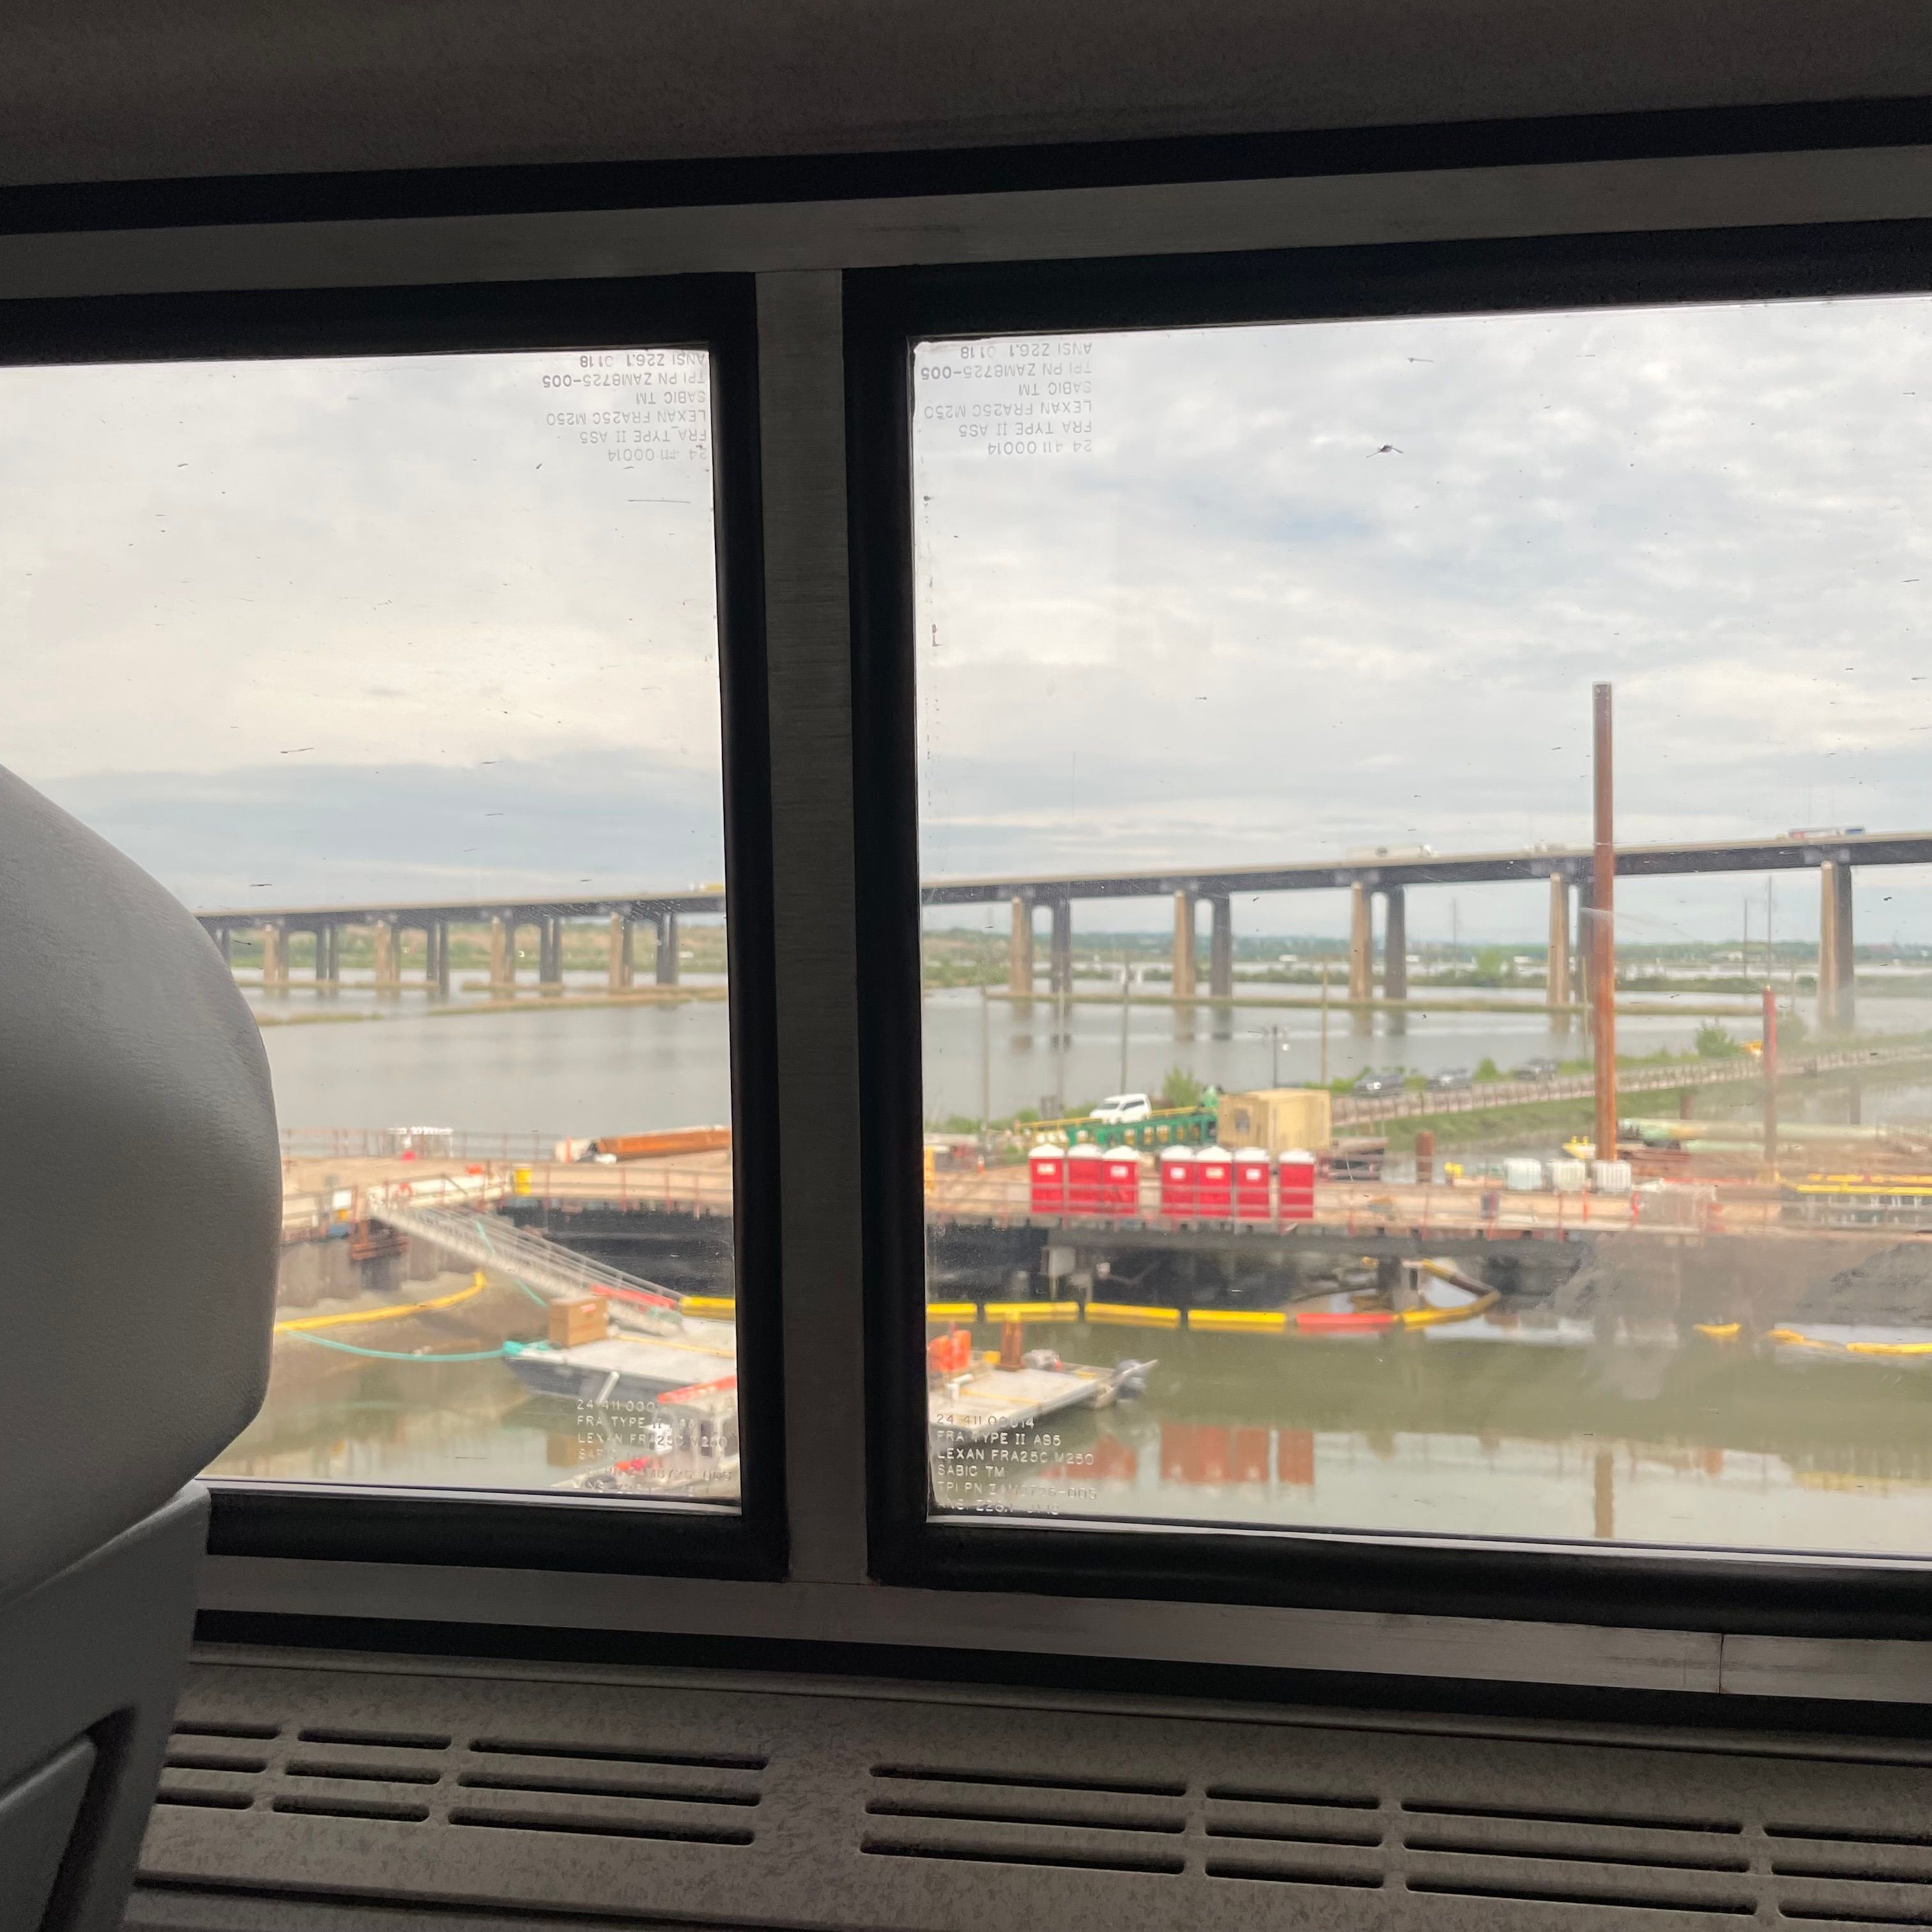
[1386,873]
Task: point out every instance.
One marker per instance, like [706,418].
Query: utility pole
[1603,931]
[1325,1022]
[1060,1055]
[1768,1055]
[985,1064]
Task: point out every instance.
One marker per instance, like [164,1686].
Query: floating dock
[984,1403]
[627,1368]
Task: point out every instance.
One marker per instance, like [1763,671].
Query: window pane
[1259,672]
[403,673]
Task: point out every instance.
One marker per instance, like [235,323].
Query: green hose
[394,1354]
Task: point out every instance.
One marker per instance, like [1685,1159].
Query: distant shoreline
[522,1003]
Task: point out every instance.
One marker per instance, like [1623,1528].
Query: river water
[581,1071]
[1626,1423]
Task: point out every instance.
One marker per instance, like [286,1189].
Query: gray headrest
[140,1181]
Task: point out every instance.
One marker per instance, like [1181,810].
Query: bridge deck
[1399,867]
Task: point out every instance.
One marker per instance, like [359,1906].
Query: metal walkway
[547,1269]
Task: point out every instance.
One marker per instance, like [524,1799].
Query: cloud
[369,624]
[592,823]
[1330,584]
[420,560]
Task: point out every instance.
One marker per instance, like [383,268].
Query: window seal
[566,187]
[717,313]
[1769,1593]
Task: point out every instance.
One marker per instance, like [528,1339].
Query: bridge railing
[666,1185]
[701,1192]
[1002,1196]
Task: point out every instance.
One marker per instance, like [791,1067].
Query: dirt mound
[1890,1289]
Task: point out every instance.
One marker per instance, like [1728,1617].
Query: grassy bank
[1552,1120]
[1557,1120]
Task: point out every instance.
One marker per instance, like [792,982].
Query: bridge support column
[550,955]
[666,948]
[1221,960]
[389,967]
[224,944]
[328,955]
[1586,963]
[1019,950]
[1060,958]
[623,960]
[275,959]
[1183,946]
[1221,946]
[436,957]
[1395,942]
[1556,970]
[1361,957]
[503,957]
[1186,983]
[1837,1009]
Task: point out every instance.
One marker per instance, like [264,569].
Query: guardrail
[1350,1111]
[1003,1197]
[546,1268]
[700,1191]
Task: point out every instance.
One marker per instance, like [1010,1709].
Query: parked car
[1377,1082]
[1118,1108]
[1534,1069]
[1451,1080]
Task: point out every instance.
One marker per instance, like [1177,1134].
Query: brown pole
[1603,932]
[1770,1058]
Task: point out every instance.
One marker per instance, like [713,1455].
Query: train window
[1426,992]
[403,671]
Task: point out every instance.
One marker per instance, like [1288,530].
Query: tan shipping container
[572,1323]
[1277,1118]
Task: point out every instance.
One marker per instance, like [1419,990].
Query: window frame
[367,1524]
[1542,1580]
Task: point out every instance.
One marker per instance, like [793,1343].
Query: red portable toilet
[1177,1183]
[1121,1184]
[1086,1176]
[1298,1185]
[1213,1184]
[1254,1191]
[1046,1172]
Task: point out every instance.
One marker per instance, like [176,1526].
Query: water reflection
[1706,1444]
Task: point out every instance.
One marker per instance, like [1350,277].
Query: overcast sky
[328,630]
[342,629]
[1331,585]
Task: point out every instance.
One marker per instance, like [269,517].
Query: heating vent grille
[1558,1857]
[808,1805]
[1013,1817]
[542,1784]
